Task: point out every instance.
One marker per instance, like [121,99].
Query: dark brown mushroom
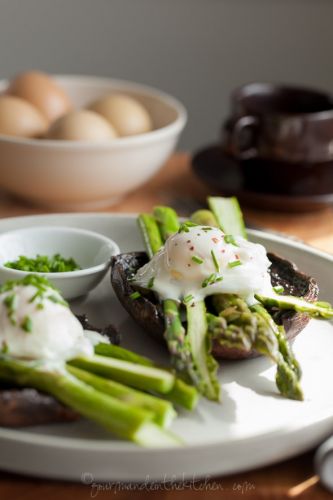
[147,312]
[26,407]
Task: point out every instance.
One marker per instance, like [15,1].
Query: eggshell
[20,118]
[126,114]
[41,91]
[81,125]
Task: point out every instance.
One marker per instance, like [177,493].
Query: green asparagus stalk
[163,410]
[181,393]
[150,232]
[288,369]
[167,221]
[175,335]
[228,215]
[228,335]
[115,351]
[147,378]
[198,343]
[255,329]
[320,310]
[191,350]
[204,217]
[121,419]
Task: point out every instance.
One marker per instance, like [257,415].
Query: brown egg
[81,126]
[126,114]
[20,118]
[41,91]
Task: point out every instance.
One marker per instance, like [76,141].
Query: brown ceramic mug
[280,123]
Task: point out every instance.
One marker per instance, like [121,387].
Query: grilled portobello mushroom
[147,311]
[27,407]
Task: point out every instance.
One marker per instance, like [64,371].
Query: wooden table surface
[175,185]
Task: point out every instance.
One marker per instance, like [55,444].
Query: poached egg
[199,261]
[37,324]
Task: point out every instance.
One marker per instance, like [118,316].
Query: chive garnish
[151,282]
[213,278]
[197,259]
[135,295]
[26,324]
[216,264]
[188,298]
[228,238]
[57,300]
[278,289]
[234,263]
[10,303]
[44,264]
[4,348]
[184,227]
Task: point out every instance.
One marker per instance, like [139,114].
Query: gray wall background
[197,50]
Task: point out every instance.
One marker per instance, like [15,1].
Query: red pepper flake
[223,250]
[237,256]
[191,248]
[215,240]
[188,265]
[188,241]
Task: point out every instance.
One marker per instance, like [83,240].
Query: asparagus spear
[115,351]
[151,234]
[181,393]
[162,410]
[255,329]
[121,419]
[204,217]
[288,369]
[320,310]
[190,351]
[228,215]
[199,344]
[147,378]
[167,221]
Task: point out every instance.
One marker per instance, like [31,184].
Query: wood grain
[176,185]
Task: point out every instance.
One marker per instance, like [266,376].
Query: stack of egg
[35,106]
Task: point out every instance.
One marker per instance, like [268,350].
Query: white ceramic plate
[253,427]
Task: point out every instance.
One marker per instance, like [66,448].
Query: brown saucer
[223,174]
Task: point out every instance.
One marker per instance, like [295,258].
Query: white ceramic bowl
[75,175]
[91,251]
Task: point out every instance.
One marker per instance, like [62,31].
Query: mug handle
[249,151]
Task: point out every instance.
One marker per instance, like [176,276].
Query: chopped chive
[228,238]
[26,324]
[207,228]
[9,301]
[188,299]
[234,263]
[278,289]
[57,300]
[151,282]
[216,264]
[197,259]
[4,348]
[184,227]
[135,295]
[213,278]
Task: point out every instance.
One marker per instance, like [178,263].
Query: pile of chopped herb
[44,264]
